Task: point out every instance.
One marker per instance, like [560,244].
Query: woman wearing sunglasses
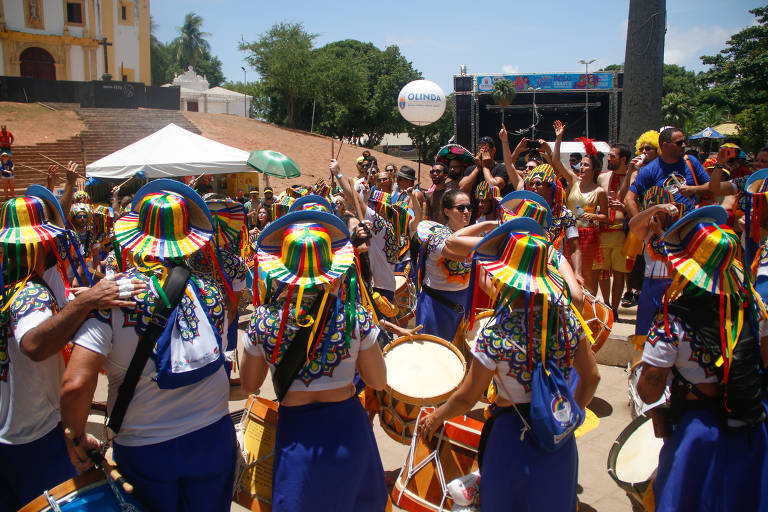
[444,269]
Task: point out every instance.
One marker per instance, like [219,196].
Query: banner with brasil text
[550,82]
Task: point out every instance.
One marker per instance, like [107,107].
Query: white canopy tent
[171,152]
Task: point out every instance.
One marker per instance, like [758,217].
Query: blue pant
[518,475]
[702,467]
[649,302]
[26,470]
[194,472]
[326,458]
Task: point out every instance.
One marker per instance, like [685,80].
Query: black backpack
[741,404]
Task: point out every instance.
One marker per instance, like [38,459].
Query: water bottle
[578,211]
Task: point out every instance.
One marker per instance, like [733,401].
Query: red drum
[599,319]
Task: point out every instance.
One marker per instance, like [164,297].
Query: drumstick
[33,168]
[341,144]
[194,181]
[99,460]
[333,151]
[57,163]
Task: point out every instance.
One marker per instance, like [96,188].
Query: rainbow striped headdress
[103,223]
[305,248]
[660,195]
[81,196]
[229,224]
[164,224]
[522,203]
[312,202]
[281,206]
[397,215]
[546,173]
[24,221]
[322,188]
[485,191]
[705,255]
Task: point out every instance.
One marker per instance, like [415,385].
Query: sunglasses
[647,148]
[530,166]
[537,183]
[381,180]
[462,207]
[435,171]
[679,143]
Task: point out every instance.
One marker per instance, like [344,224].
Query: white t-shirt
[383,271]
[29,390]
[441,273]
[156,415]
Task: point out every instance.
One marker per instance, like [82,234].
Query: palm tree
[191,43]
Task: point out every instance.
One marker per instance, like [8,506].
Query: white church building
[197,96]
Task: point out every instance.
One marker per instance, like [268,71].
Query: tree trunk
[290,111]
[643,69]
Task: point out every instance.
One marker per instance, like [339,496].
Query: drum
[422,370]
[469,337]
[599,319]
[88,492]
[405,299]
[430,466]
[634,458]
[256,435]
[636,404]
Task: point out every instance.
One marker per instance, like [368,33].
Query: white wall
[126,44]
[77,63]
[53,16]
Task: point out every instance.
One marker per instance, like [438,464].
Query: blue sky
[437,37]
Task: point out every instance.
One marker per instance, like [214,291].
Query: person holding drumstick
[312,332]
[706,340]
[517,257]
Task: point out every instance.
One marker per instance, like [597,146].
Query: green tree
[741,68]
[676,108]
[159,57]
[191,45]
[282,57]
[753,127]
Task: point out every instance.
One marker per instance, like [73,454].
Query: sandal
[629,300]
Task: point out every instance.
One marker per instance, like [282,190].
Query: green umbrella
[273,163]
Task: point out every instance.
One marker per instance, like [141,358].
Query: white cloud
[684,45]
[510,69]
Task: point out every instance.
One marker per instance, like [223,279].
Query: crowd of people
[148,290]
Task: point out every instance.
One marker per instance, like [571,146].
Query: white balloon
[421,102]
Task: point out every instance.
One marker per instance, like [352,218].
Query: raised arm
[460,244]
[69,188]
[561,169]
[509,159]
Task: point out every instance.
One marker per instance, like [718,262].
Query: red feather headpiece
[588,146]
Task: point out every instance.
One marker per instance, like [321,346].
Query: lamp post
[586,90]
[245,95]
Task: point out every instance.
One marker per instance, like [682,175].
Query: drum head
[423,367]
[482,319]
[400,281]
[634,456]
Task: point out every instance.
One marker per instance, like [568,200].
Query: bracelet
[339,176]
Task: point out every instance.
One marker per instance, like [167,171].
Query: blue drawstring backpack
[555,415]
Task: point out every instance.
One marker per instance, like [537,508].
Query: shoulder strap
[174,287]
[693,171]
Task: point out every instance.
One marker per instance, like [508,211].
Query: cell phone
[533,144]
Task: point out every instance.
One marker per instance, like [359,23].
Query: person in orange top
[6,139]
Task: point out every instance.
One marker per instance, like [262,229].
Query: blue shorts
[193,472]
[26,470]
[439,319]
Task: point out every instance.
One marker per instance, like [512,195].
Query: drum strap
[173,289]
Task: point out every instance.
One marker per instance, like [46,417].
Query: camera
[533,144]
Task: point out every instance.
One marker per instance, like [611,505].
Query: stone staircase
[107,130]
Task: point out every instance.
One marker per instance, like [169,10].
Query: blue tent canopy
[707,133]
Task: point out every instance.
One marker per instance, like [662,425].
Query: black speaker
[464,119]
[462,84]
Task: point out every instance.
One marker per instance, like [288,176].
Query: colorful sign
[550,82]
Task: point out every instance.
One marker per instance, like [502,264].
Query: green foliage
[353,84]
[432,137]
[188,49]
[503,92]
[283,58]
[741,68]
[753,127]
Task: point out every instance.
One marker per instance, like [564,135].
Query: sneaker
[629,299]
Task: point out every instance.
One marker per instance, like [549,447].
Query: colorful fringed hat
[168,220]
[322,188]
[103,223]
[517,256]
[305,248]
[522,203]
[704,255]
[229,223]
[81,196]
[312,202]
[454,152]
[660,195]
[755,203]
[546,173]
[396,213]
[281,206]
